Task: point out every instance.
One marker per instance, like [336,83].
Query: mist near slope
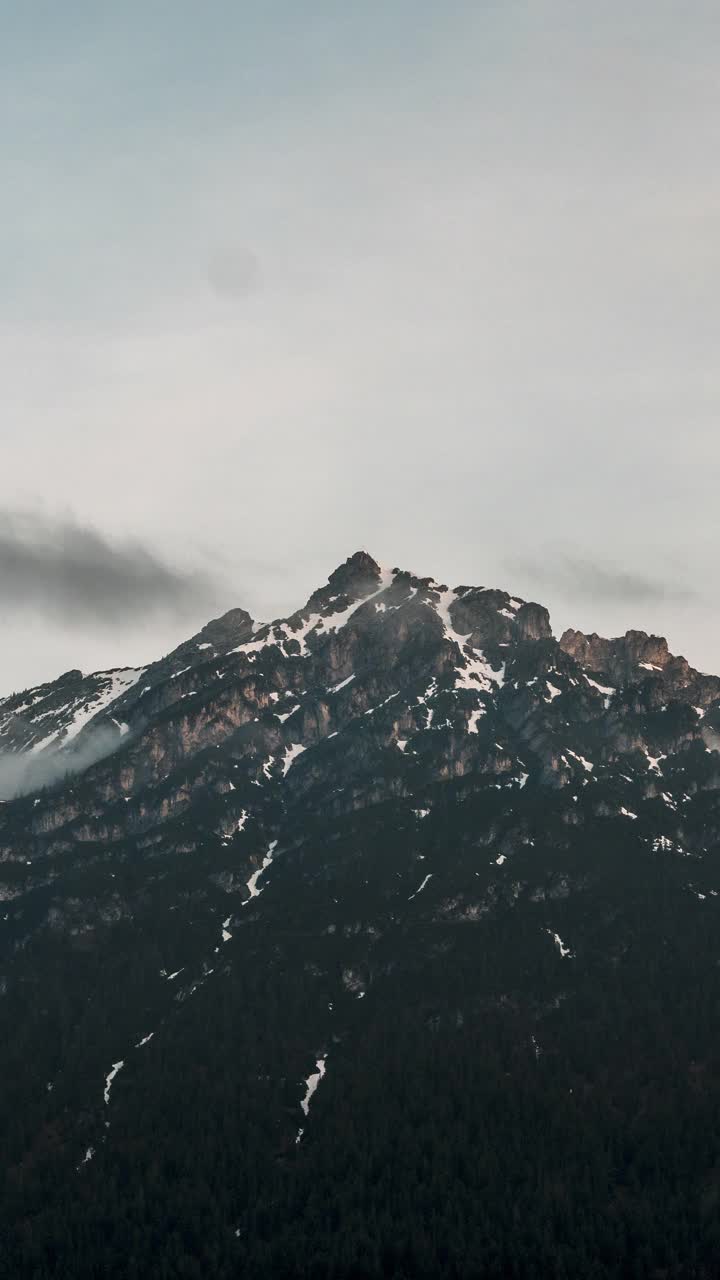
[23,774]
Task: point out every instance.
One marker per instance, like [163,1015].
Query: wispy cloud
[22,773]
[234,272]
[580,578]
[72,573]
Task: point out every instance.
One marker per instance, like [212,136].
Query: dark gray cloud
[71,572]
[580,578]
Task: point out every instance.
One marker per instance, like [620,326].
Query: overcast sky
[282,280]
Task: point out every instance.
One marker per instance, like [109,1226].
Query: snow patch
[335,621]
[312,1083]
[475,671]
[335,688]
[564,951]
[370,710]
[474,717]
[654,761]
[587,766]
[607,690]
[116,1066]
[421,887]
[285,715]
[253,881]
[291,754]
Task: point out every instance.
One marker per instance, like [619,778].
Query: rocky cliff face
[335,794]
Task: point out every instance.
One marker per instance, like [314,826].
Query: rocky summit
[379,940]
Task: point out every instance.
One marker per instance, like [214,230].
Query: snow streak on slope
[116,1066]
[120,682]
[586,764]
[335,621]
[564,951]
[607,690]
[253,881]
[314,624]
[291,753]
[312,1083]
[475,671]
[421,887]
[117,683]
[335,688]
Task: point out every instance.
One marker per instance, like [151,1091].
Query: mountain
[380,940]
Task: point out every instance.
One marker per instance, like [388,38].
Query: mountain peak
[358,571]
[226,630]
[358,576]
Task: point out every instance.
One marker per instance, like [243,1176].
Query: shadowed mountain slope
[380,940]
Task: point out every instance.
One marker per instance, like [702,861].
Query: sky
[281,281]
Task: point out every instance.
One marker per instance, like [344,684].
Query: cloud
[234,272]
[579,578]
[21,774]
[70,572]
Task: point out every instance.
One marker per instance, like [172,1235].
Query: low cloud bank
[74,574]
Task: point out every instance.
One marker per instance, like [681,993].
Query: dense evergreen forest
[490,1107]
